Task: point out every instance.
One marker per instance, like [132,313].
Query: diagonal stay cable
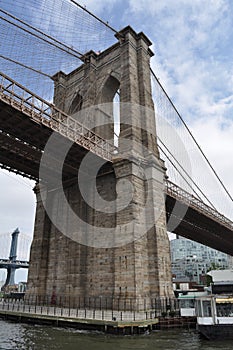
[25,66]
[186,173]
[56,42]
[93,15]
[198,146]
[179,172]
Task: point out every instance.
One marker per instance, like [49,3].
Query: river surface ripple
[34,337]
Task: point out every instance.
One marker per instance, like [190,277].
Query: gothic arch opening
[110,95]
[110,89]
[116,116]
[76,104]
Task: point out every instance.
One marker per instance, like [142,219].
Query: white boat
[215,316]
[187,303]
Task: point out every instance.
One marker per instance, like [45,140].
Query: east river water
[32,337]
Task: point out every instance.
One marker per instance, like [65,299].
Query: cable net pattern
[40,38]
[185,163]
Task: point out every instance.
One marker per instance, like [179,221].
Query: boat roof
[219,298]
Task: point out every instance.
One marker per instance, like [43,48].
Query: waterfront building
[192,260]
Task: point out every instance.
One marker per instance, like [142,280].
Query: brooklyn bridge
[113,172]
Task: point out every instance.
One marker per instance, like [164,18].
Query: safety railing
[45,113]
[187,198]
[101,308]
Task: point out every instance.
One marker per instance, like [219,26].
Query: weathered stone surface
[141,268]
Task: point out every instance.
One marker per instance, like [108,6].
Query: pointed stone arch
[139,270]
[76,104]
[110,87]
[108,91]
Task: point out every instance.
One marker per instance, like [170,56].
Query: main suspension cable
[56,43]
[92,14]
[186,173]
[25,66]
[190,133]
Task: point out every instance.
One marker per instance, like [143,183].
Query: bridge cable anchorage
[93,15]
[190,133]
[186,173]
[64,47]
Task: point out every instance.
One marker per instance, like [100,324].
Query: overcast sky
[192,42]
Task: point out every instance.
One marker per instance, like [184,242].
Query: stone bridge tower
[137,263]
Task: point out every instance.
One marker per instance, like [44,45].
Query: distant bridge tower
[12,264]
[140,269]
[10,279]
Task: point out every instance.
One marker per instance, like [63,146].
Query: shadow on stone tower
[136,263]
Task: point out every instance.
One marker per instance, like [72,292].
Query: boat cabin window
[224,309]
[203,308]
[206,308]
[186,303]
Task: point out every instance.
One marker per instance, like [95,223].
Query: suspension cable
[92,14]
[78,55]
[186,173]
[186,126]
[65,48]
[25,66]
[173,164]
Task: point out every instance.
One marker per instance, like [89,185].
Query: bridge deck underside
[22,141]
[199,227]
